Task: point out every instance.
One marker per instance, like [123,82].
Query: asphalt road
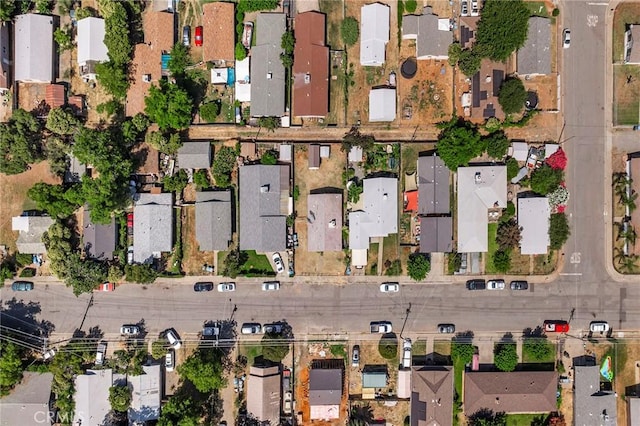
[582,292]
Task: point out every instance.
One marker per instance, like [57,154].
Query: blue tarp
[165,61]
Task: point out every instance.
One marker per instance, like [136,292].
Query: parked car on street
[406,353]
[274,328]
[271,285]
[381,327]
[556,326]
[251,328]
[100,353]
[355,356]
[203,286]
[464,8]
[495,285]
[599,327]
[105,286]
[476,285]
[172,337]
[277,259]
[519,285]
[227,286]
[566,38]
[129,330]
[389,287]
[22,286]
[186,35]
[446,328]
[170,360]
[198,36]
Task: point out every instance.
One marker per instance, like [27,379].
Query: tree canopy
[559,230]
[10,367]
[169,106]
[142,274]
[512,96]
[502,28]
[62,122]
[458,143]
[418,266]
[116,34]
[120,398]
[355,138]
[224,162]
[505,356]
[180,60]
[210,111]
[502,260]
[497,144]
[545,179]
[20,142]
[52,199]
[204,369]
[112,76]
[350,30]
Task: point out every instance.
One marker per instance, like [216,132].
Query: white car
[566,38]
[406,353]
[170,360]
[226,287]
[129,330]
[389,287]
[464,8]
[495,285]
[271,285]
[599,327]
[100,353]
[173,339]
[277,259]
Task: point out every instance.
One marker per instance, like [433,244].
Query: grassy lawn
[458,369]
[442,347]
[537,8]
[528,357]
[372,260]
[390,249]
[256,265]
[525,419]
[419,347]
[251,351]
[333,9]
[544,263]
[493,247]
[338,351]
[618,354]
[626,13]
[626,94]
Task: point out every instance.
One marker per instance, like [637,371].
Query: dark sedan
[476,285]
[519,285]
[203,286]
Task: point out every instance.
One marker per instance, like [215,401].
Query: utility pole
[406,317]
[90,304]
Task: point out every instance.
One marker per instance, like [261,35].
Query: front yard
[626,94]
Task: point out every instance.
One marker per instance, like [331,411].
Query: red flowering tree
[557,160]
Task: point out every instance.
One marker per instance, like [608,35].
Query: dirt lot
[547,89]
[192,258]
[626,94]
[13,197]
[329,175]
[545,126]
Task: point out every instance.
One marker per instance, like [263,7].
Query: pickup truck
[381,327]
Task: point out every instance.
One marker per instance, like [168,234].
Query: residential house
[534,58]
[325,393]
[263,394]
[92,397]
[152,226]
[433,186]
[5,57]
[485,86]
[99,240]
[33,48]
[30,230]
[374,34]
[374,379]
[310,66]
[468,31]
[592,406]
[146,394]
[218,31]
[633,410]
[533,220]
[213,220]
[264,207]
[481,189]
[242,86]
[75,171]
[324,222]
[91,47]
[431,396]
[267,71]
[29,402]
[631,52]
[382,104]
[436,234]
[633,172]
[194,155]
[147,64]
[378,217]
[514,392]
[432,34]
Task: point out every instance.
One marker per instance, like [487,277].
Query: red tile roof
[310,66]
[411,198]
[218,31]
[54,95]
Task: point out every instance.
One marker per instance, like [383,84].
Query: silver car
[495,285]
[271,285]
[389,287]
[225,287]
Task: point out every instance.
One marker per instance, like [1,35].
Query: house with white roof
[33,48]
[533,219]
[92,397]
[91,47]
[377,218]
[152,226]
[374,34]
[382,104]
[146,392]
[480,189]
[242,84]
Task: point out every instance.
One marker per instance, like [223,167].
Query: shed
[382,105]
[355,154]
[54,95]
[219,75]
[91,47]
[404,384]
[242,85]
[194,155]
[520,151]
[286,152]
[314,156]
[325,151]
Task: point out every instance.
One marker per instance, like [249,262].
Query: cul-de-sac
[319,212]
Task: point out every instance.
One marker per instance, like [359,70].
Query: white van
[406,353]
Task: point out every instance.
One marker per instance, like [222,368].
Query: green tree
[361,415]
[169,106]
[274,347]
[454,52]
[497,144]
[62,122]
[458,143]
[469,62]
[65,366]
[410,5]
[179,61]
[355,138]
[241,52]
[142,274]
[6,272]
[82,275]
[116,34]
[505,356]
[512,168]
[63,39]
[508,235]
[545,179]
[159,348]
[177,182]
[269,123]
[558,230]
[52,199]
[388,347]
[120,398]
[512,96]
[180,410]
[56,153]
[269,158]
[210,111]
[224,162]
[168,145]
[7,8]
[20,142]
[354,190]
[201,179]
[462,351]
[10,367]
[418,266]
[233,263]
[44,7]
[288,42]
[349,30]
[204,369]
[502,260]
[502,29]
[113,77]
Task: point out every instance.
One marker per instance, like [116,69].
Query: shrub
[394,268]
[454,52]
[241,52]
[210,111]
[497,144]
[502,260]
[349,30]
[545,179]
[558,230]
[555,12]
[411,5]
[142,274]
[462,351]
[418,266]
[388,347]
[512,168]
[508,236]
[537,348]
[454,262]
[557,160]
[28,273]
[201,179]
[505,357]
[269,158]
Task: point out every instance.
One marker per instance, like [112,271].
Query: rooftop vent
[332,223]
[478,177]
[307,78]
[269,76]
[264,189]
[146,78]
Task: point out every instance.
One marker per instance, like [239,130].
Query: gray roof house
[591,405]
[92,397]
[325,393]
[267,71]
[533,219]
[5,55]
[91,47]
[432,34]
[436,234]
[324,222]
[379,216]
[374,34]
[152,226]
[431,396]
[433,186]
[33,48]
[264,206]
[99,240]
[263,394]
[28,402]
[213,220]
[194,155]
[534,58]
[75,171]
[31,229]
[146,392]
[480,188]
[633,410]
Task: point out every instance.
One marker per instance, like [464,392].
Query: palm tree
[629,263]
[629,200]
[620,183]
[618,255]
[628,233]
[361,415]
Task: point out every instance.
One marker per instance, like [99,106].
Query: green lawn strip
[493,247]
[528,357]
[251,351]
[525,419]
[256,262]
